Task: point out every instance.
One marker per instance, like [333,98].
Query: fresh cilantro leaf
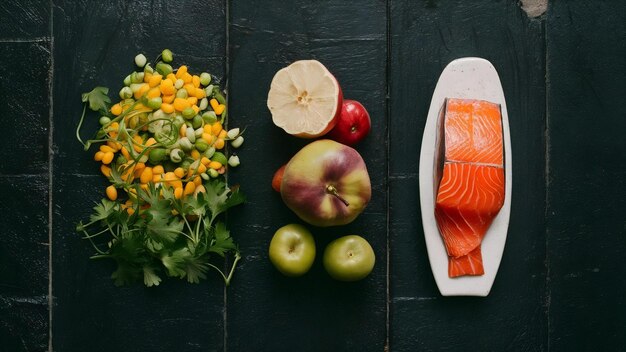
[175,262]
[103,210]
[222,242]
[196,269]
[125,274]
[161,224]
[219,197]
[97,98]
[150,278]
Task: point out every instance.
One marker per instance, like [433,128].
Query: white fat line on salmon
[473,163]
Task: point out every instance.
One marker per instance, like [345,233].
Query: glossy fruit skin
[349,258]
[353,124]
[278,178]
[326,184]
[292,250]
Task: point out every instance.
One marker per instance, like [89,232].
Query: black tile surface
[311,313]
[587,172]
[24,20]
[24,90]
[559,286]
[24,263]
[426,36]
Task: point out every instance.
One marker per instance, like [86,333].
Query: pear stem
[332,190]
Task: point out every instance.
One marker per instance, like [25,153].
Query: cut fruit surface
[305,99]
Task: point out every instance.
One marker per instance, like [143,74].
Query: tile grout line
[226,87]
[548,297]
[50,172]
[387,188]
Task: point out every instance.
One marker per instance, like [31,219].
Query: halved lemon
[305,99]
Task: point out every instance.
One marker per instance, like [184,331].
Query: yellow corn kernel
[116,109]
[220,109]
[189,88]
[154,92]
[114,126]
[180,104]
[146,77]
[215,165]
[197,181]
[169,177]
[114,145]
[195,154]
[172,77]
[207,128]
[177,184]
[195,108]
[216,128]
[158,169]
[168,99]
[200,189]
[130,211]
[178,193]
[195,80]
[219,143]
[192,100]
[186,77]
[200,93]
[106,148]
[167,87]
[146,175]
[98,156]
[205,161]
[181,71]
[223,134]
[189,188]
[111,192]
[141,91]
[201,168]
[208,138]
[155,80]
[214,104]
[179,172]
[183,130]
[144,187]
[167,108]
[150,141]
[106,171]
[107,158]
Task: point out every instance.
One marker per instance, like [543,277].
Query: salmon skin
[470,175]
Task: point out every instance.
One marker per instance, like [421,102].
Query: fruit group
[326,184]
[349,258]
[353,124]
[292,250]
[305,99]
[278,178]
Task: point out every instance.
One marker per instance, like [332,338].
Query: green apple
[349,258]
[292,250]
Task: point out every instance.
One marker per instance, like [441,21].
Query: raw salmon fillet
[471,190]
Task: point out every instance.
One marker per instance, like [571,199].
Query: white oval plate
[466,78]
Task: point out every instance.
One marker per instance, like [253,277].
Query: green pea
[104,120]
[167,55]
[127,80]
[148,69]
[157,155]
[185,164]
[220,157]
[182,93]
[213,173]
[197,121]
[189,113]
[202,145]
[164,69]
[205,79]
[209,117]
[126,93]
[155,103]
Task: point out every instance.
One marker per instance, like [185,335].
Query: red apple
[353,125]
[326,184]
[278,178]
